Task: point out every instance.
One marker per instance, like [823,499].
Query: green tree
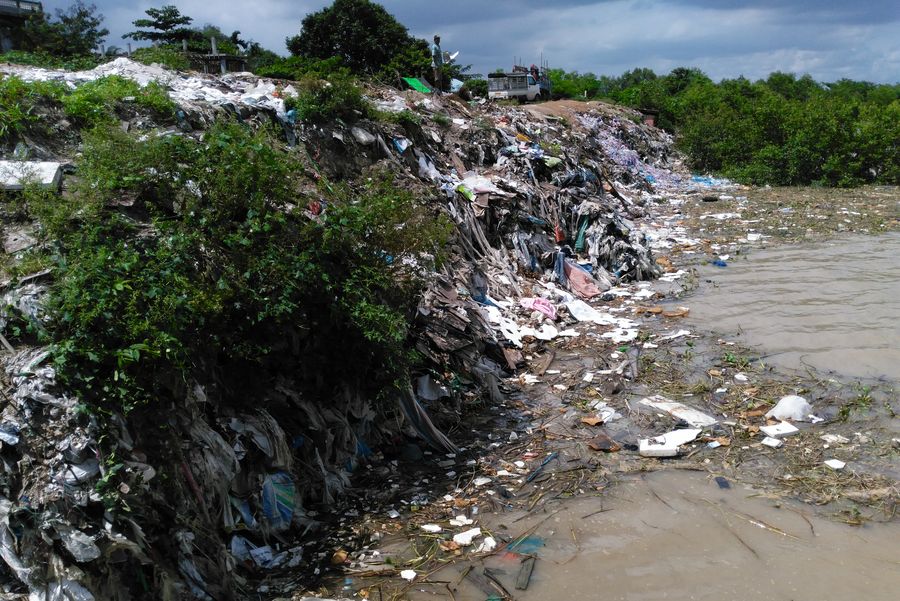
[680,78]
[165,24]
[76,31]
[363,34]
[636,77]
[477,87]
[412,59]
[573,84]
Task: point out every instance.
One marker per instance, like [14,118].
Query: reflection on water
[834,306]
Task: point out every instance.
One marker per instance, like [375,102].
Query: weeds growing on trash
[169,57]
[48,61]
[19,100]
[338,97]
[94,102]
[229,267]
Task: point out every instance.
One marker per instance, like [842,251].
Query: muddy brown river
[678,535]
[834,306]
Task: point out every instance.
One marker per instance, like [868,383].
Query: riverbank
[579,450]
[512,377]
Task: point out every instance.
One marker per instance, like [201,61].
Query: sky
[829,39]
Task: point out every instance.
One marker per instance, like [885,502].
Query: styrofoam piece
[667,444]
[695,418]
[835,464]
[14,175]
[461,520]
[487,546]
[408,575]
[464,539]
[772,442]
[782,429]
[791,407]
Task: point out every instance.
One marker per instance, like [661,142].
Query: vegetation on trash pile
[298,68]
[161,55]
[89,104]
[94,102]
[19,101]
[49,61]
[320,100]
[220,266]
[782,130]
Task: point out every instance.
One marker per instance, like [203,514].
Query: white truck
[521,84]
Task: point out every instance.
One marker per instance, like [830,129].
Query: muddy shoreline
[503,470]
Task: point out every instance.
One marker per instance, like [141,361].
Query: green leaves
[94,102]
[229,276]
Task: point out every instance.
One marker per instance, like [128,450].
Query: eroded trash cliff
[548,205]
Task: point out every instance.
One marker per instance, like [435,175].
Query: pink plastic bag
[540,304]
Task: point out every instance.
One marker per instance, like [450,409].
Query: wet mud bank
[571,503]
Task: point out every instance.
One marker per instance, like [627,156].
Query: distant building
[13,14]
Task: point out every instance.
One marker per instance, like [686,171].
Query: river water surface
[677,535]
[833,305]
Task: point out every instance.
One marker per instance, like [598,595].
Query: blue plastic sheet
[278,498]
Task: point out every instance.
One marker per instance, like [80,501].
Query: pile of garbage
[548,217]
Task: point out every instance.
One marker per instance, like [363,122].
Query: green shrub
[95,102]
[407,118]
[298,68]
[168,57]
[477,87]
[230,278]
[18,100]
[47,61]
[336,98]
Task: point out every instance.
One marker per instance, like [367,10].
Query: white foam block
[667,444]
[782,429]
[15,174]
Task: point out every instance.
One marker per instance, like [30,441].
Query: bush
[477,87]
[336,98]
[297,68]
[48,61]
[230,278]
[19,99]
[94,102]
[162,55]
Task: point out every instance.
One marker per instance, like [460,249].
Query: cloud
[829,39]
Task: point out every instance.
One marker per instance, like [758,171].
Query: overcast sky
[828,39]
